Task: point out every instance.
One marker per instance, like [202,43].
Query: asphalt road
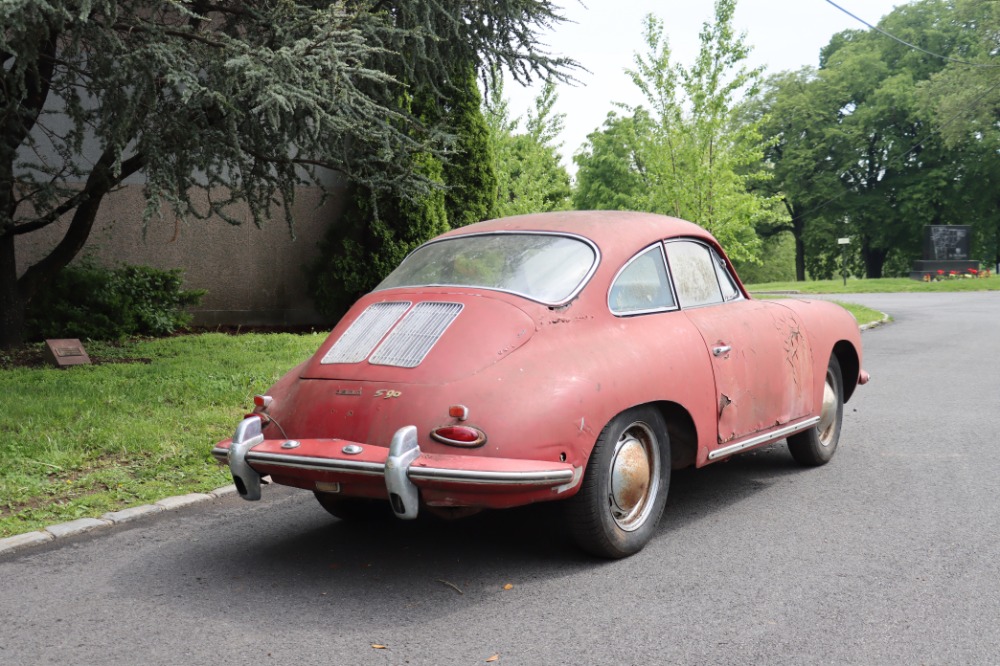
[888,555]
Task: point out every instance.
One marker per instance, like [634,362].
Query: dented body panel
[762,365]
[540,380]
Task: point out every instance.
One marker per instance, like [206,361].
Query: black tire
[624,487]
[354,509]
[817,445]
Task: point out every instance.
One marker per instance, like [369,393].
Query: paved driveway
[888,555]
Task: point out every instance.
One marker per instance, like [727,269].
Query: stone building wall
[254,276]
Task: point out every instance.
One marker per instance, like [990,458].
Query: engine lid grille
[361,337]
[410,342]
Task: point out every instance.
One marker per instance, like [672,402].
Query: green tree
[964,101]
[859,149]
[379,228]
[530,174]
[612,173]
[373,234]
[797,113]
[469,173]
[689,154]
[895,174]
[244,99]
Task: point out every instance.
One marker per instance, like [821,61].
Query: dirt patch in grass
[32,355]
[243,330]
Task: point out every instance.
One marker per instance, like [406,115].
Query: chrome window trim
[555,304]
[712,255]
[670,284]
[724,265]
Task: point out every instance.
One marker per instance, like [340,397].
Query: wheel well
[682,432]
[850,366]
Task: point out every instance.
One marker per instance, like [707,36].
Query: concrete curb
[82,525]
[885,320]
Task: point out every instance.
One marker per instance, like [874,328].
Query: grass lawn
[90,439]
[861,313]
[883,285]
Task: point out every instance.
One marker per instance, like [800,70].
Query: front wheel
[817,445]
[624,487]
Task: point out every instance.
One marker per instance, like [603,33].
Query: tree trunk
[12,306]
[996,254]
[798,227]
[874,259]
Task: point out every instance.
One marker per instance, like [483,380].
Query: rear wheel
[354,509]
[624,487]
[817,445]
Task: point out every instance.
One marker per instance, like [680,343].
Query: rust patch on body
[793,342]
[633,468]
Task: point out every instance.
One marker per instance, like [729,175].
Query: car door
[759,353]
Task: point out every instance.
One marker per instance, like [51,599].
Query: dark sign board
[947,242]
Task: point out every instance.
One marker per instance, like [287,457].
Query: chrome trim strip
[761,439]
[536,478]
[220,454]
[318,464]
[577,475]
[539,478]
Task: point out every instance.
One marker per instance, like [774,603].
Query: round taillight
[459,435]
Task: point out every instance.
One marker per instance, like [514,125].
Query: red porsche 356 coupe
[575,356]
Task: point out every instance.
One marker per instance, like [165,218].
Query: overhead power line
[912,46]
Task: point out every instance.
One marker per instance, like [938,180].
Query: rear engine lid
[421,337]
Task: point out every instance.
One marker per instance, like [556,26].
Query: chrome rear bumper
[402,465]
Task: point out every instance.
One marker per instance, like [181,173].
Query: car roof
[616,233]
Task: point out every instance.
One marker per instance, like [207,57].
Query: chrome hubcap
[828,417]
[635,477]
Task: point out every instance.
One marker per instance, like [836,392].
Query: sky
[605,35]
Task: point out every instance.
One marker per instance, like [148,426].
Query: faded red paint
[542,383]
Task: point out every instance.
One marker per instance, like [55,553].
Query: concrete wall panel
[254,276]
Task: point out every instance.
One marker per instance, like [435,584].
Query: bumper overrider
[446,480]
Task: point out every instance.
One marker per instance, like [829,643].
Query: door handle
[721,349]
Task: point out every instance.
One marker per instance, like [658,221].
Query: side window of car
[730,292]
[694,272]
[642,286]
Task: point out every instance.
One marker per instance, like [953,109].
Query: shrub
[96,303]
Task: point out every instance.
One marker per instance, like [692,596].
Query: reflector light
[263,401]
[460,412]
[457,435]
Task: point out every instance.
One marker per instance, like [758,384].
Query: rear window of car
[549,268]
